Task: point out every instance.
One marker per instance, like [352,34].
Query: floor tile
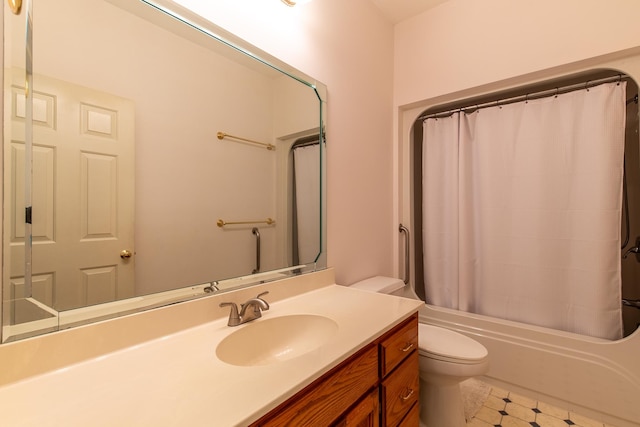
[509,421]
[519,411]
[497,391]
[507,409]
[495,402]
[545,420]
[554,411]
[583,421]
[489,415]
[479,423]
[522,400]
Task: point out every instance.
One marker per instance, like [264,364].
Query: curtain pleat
[307,183]
[528,209]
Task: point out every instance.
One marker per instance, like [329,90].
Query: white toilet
[446,359]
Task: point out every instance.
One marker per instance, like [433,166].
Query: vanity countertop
[178,380]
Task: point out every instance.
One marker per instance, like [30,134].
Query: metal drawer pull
[407,347]
[408,395]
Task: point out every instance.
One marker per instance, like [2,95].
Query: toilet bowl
[446,358]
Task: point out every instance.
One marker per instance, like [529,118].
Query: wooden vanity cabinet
[378,386]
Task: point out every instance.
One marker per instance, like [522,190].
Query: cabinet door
[412,419]
[365,414]
[322,403]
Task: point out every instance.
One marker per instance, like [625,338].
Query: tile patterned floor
[507,409]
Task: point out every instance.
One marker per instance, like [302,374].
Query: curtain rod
[306,140]
[534,95]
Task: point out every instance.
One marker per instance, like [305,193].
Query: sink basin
[266,341]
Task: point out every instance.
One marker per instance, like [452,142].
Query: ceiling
[399,10]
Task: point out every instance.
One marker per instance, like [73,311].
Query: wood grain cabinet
[366,413]
[378,386]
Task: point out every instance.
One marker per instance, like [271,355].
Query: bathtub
[592,376]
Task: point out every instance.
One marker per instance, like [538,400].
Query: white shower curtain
[522,210]
[307,176]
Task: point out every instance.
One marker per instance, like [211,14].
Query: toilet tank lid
[380,284]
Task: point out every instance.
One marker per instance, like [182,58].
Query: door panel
[83,194]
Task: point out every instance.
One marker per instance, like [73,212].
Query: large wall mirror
[154,159]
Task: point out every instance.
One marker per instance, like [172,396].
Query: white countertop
[177,380]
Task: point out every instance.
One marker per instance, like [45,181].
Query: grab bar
[631,303]
[633,250]
[256,233]
[269,221]
[407,274]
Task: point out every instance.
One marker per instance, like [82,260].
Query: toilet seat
[449,346]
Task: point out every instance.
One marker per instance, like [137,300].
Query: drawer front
[399,345]
[400,391]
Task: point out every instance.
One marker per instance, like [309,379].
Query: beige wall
[466,43]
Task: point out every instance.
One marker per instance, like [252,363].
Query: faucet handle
[234,317]
[266,303]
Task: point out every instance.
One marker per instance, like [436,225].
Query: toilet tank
[381,284]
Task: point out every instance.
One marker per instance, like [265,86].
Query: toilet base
[441,405]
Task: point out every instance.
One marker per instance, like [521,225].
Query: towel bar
[268,221]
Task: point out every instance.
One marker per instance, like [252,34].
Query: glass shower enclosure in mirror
[169,159]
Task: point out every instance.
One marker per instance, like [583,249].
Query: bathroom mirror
[168,159]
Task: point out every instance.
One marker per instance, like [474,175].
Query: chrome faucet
[213,287]
[250,310]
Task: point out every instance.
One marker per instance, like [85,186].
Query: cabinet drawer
[399,345]
[400,391]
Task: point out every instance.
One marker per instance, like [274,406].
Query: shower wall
[631,265]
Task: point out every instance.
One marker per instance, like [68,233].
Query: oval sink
[267,341]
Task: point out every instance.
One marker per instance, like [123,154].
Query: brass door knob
[15,6]
[125,254]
